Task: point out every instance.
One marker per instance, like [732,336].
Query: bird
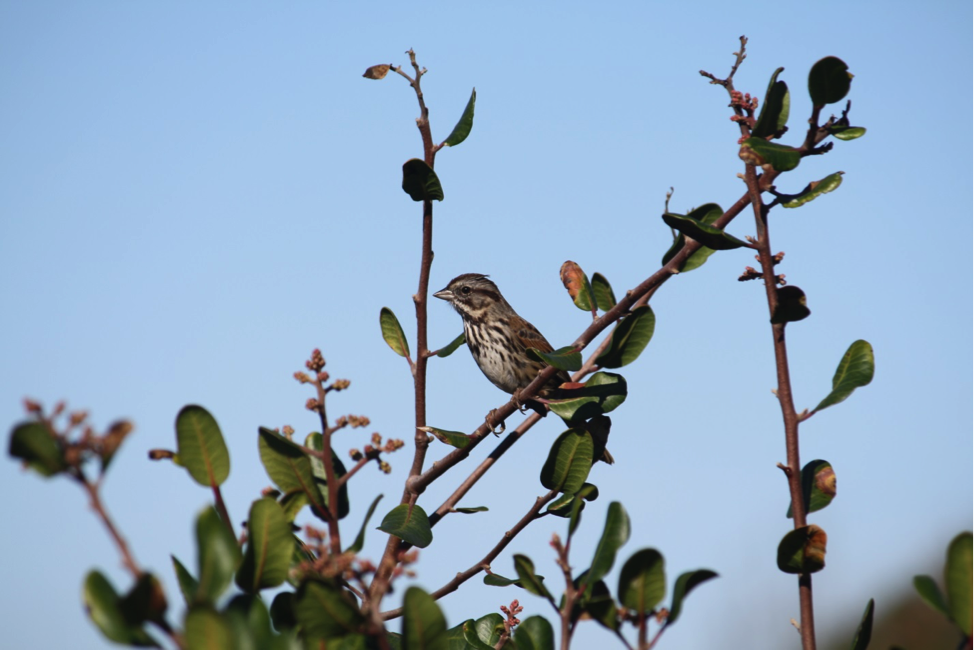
[498,339]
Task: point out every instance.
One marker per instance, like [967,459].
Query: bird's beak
[444,294]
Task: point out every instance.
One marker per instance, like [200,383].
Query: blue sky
[195,195]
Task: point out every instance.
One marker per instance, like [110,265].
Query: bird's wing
[530,337]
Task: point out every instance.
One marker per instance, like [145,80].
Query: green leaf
[292,503]
[348,642]
[957,578]
[104,607]
[587,492]
[326,611]
[707,235]
[282,610]
[615,533]
[497,580]
[423,624]
[865,630]
[145,601]
[774,111]
[855,370]
[682,588]
[599,605]
[455,638]
[289,467]
[471,511]
[792,305]
[411,525]
[33,443]
[697,259]
[566,358]
[931,594]
[604,297]
[575,516]
[420,182]
[250,624]
[451,348]
[392,332]
[569,461]
[200,446]
[218,556]
[706,214]
[534,633]
[207,630]
[642,581]
[482,634]
[359,542]
[814,190]
[462,129]
[270,546]
[452,438]
[629,338]
[315,441]
[188,585]
[847,132]
[828,81]
[562,506]
[758,151]
[602,393]
[818,486]
[802,550]
[532,582]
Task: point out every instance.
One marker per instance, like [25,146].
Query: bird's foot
[496,429]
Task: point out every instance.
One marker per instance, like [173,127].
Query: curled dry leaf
[377,71]
[825,480]
[815,547]
[573,278]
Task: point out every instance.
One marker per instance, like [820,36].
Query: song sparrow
[498,339]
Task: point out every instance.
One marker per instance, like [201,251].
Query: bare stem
[334,532]
[571,595]
[387,564]
[484,564]
[128,561]
[785,398]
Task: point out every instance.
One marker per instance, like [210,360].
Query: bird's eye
[464,290]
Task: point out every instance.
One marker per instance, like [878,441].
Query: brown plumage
[499,339]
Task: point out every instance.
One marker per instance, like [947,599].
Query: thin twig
[784,394]
[383,574]
[128,560]
[334,532]
[532,514]
[350,473]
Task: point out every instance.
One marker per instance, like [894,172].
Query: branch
[386,565]
[128,561]
[784,394]
[484,564]
[334,532]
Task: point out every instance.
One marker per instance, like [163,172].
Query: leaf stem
[221,507]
